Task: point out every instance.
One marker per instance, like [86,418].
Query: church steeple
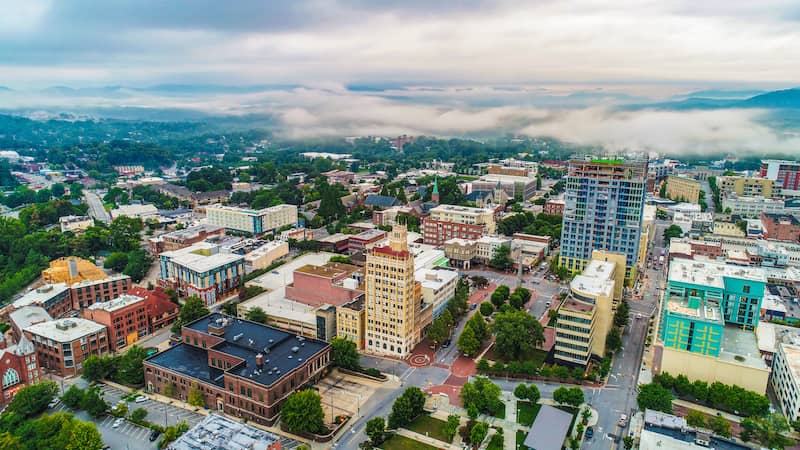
[435,193]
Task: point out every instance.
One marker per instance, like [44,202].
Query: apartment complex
[784,174]
[87,292]
[683,189]
[125,317]
[244,369]
[63,345]
[709,312]
[395,313]
[449,221]
[745,186]
[603,210]
[751,206]
[202,270]
[250,220]
[586,315]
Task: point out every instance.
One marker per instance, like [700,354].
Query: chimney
[259,360]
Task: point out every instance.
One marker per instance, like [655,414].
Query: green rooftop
[608,161]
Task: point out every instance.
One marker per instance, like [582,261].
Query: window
[10,378]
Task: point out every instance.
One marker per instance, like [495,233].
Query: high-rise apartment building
[395,311]
[784,174]
[604,202]
[250,220]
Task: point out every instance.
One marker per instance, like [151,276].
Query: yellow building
[586,316]
[683,189]
[745,187]
[648,233]
[395,312]
[72,269]
[350,320]
[747,371]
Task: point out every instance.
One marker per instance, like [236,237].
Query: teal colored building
[702,297]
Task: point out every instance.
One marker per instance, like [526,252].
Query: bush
[138,415]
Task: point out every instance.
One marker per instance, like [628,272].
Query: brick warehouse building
[125,317]
[243,368]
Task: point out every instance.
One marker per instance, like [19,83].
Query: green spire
[436,185]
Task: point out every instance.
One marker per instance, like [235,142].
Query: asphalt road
[96,208]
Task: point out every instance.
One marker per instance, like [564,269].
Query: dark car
[154,435]
[446,343]
[589,432]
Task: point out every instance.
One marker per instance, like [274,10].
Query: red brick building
[242,368]
[366,239]
[18,368]
[125,317]
[161,311]
[179,239]
[63,345]
[554,207]
[781,227]
[327,284]
[86,293]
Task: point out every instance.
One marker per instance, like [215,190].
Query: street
[96,208]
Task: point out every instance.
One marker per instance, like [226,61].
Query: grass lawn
[428,426]
[496,443]
[397,442]
[502,413]
[521,438]
[527,412]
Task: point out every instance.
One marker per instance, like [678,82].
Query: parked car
[473,306]
[53,403]
[589,432]
[154,435]
[117,423]
[446,343]
[623,420]
[140,399]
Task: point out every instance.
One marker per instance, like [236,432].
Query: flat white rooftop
[40,294]
[596,279]
[65,330]
[118,303]
[201,257]
[711,273]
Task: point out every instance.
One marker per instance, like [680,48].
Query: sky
[452,68]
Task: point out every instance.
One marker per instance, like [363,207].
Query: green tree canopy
[345,354]
[85,436]
[468,342]
[302,412]
[517,334]
[31,400]
[407,407]
[376,430]
[482,394]
[193,309]
[256,314]
[654,396]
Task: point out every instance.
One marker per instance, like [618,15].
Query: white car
[117,423]
[140,399]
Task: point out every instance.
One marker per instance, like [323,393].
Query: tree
[451,427]
[479,326]
[538,181]
[123,233]
[116,261]
[479,281]
[696,419]
[521,391]
[568,396]
[673,231]
[406,408]
[654,396]
[85,436]
[517,334]
[516,301]
[478,433]
[130,369]
[662,191]
[627,442]
[138,414]
[93,403]
[31,400]
[483,394]
[530,393]
[302,412]
[468,342]
[376,430]
[138,265]
[72,397]
[193,309]
[196,397]
[10,442]
[171,390]
[767,430]
[720,425]
[622,314]
[486,309]
[613,340]
[498,299]
[120,410]
[256,315]
[438,331]
[345,354]
[501,258]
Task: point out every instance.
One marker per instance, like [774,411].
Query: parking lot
[157,412]
[346,392]
[125,436]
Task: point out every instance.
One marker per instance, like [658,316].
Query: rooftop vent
[238,336]
[290,356]
[295,349]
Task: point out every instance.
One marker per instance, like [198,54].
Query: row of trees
[541,224]
[125,369]
[533,367]
[731,398]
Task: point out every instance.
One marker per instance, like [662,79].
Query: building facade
[438,287]
[784,174]
[88,292]
[449,221]
[781,227]
[554,207]
[745,186]
[786,379]
[19,367]
[350,322]
[125,317]
[683,189]
[203,271]
[63,345]
[604,203]
[252,221]
[751,206]
[242,368]
[394,304]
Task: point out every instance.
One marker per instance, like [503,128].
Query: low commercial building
[242,368]
[251,221]
[202,270]
[746,186]
[339,176]
[486,246]
[554,207]
[63,345]
[161,311]
[350,322]
[781,227]
[263,256]
[683,189]
[218,432]
[460,252]
[438,287]
[26,316]
[179,239]
[328,284]
[365,240]
[75,223]
[751,206]
[125,317]
[143,212]
[448,221]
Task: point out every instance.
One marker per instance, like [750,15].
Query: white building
[136,211]
[786,379]
[75,223]
[751,206]
[216,432]
[487,245]
[251,220]
[438,287]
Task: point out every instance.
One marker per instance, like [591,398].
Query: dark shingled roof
[282,351]
[381,201]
